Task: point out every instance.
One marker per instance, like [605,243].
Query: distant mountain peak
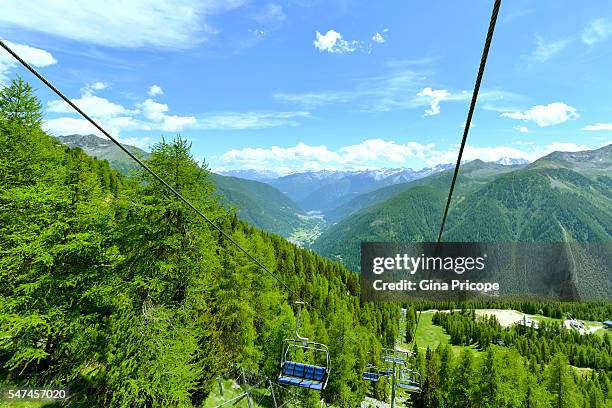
[509,161]
[103,149]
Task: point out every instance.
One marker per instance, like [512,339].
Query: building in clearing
[527,322]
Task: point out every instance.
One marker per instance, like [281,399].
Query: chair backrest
[305,371]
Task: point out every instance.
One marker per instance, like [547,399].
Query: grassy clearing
[430,335]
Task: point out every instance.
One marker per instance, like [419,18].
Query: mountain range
[258,203]
[562,197]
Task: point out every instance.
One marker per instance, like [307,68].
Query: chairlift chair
[394,356]
[409,379]
[304,375]
[373,373]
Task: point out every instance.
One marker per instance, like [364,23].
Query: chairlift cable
[142,164]
[483,62]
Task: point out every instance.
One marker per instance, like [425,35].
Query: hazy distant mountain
[473,175]
[104,149]
[261,204]
[250,174]
[509,161]
[325,190]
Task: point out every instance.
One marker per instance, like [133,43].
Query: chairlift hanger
[303,375]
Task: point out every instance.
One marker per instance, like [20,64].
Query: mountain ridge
[531,203]
[258,203]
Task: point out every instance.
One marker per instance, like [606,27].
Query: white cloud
[155,90]
[596,31]
[522,129]
[378,38]
[378,149]
[333,43]
[598,126]
[174,123]
[113,117]
[545,50]
[96,86]
[434,97]
[91,104]
[67,126]
[250,120]
[565,147]
[152,110]
[301,153]
[117,23]
[33,56]
[378,153]
[545,115]
[156,112]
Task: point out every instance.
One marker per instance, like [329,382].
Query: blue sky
[311,84]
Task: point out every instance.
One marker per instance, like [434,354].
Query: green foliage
[113,288]
[261,204]
[534,204]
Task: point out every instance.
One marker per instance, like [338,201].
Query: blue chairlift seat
[303,375]
[411,387]
[374,377]
[410,380]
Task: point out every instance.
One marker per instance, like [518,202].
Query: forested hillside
[539,203]
[255,202]
[111,287]
[473,175]
[104,149]
[262,205]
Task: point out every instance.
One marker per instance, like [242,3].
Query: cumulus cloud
[91,104]
[112,116]
[141,23]
[305,155]
[333,42]
[156,112]
[378,149]
[96,86]
[596,31]
[33,56]
[565,147]
[378,153]
[545,115]
[522,129]
[598,127]
[378,38]
[545,50]
[155,90]
[434,97]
